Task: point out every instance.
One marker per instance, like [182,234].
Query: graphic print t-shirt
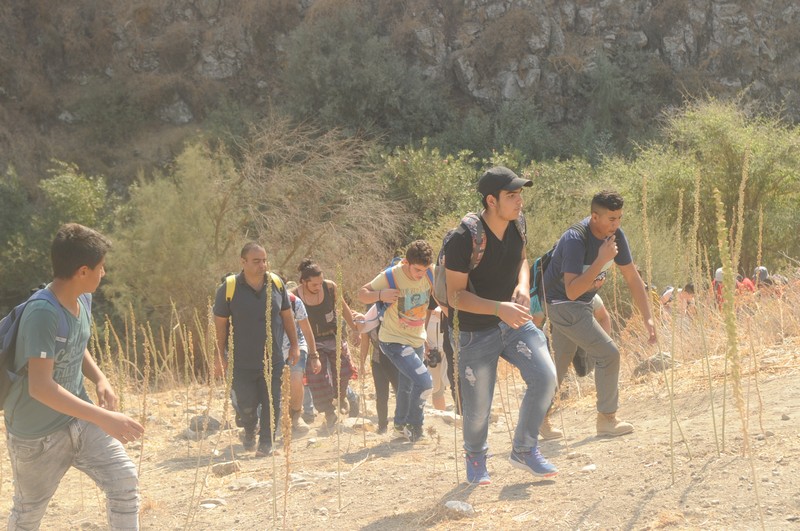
[404,321]
[37,339]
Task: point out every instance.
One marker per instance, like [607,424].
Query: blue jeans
[39,464]
[478,354]
[414,383]
[300,366]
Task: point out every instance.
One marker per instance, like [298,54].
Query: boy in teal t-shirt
[50,421]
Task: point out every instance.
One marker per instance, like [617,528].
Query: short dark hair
[75,246]
[249,246]
[607,199]
[308,269]
[419,252]
[689,288]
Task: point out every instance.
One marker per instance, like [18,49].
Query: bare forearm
[305,327]
[641,300]
[289,327]
[348,316]
[221,328]
[524,277]
[367,295]
[90,368]
[577,285]
[467,301]
[59,399]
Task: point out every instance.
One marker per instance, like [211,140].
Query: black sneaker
[331,418]
[264,449]
[309,416]
[383,428]
[248,438]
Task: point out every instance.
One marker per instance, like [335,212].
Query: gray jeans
[573,326]
[39,464]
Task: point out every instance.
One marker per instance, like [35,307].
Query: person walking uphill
[319,296]
[580,261]
[402,333]
[494,322]
[240,307]
[51,424]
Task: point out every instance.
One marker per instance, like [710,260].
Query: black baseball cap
[500,178]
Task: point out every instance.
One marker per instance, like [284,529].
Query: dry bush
[764,319]
[318,194]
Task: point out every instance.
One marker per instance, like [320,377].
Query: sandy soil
[639,481]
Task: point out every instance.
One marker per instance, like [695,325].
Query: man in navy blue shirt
[577,270]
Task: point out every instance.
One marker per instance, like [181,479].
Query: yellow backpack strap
[230,287]
[277,280]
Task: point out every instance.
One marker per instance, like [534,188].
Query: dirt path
[391,484]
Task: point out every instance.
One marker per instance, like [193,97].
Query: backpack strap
[429,274]
[230,287]
[277,280]
[390,278]
[473,223]
[62,330]
[522,228]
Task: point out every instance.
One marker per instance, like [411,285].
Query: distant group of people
[486,282]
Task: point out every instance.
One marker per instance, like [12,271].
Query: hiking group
[480,285]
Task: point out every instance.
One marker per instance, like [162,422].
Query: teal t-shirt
[37,339]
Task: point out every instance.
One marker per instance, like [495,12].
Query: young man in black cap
[494,321]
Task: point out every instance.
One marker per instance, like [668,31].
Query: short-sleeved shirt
[299,312]
[247,313]
[497,274]
[574,254]
[36,338]
[404,321]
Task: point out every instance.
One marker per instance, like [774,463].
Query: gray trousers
[573,325]
[39,464]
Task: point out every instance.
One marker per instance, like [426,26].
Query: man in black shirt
[492,300]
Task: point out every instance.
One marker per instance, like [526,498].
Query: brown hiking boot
[548,432]
[608,425]
[299,426]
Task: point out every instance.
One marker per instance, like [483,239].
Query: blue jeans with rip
[478,354]
[39,464]
[414,382]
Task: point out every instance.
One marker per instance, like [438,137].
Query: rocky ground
[640,481]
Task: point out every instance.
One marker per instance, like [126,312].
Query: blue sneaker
[533,462]
[476,469]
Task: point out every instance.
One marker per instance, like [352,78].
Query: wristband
[313,356]
[496,308]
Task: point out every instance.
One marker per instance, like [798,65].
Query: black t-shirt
[496,275]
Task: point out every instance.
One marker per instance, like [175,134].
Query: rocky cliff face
[723,47]
[64,64]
